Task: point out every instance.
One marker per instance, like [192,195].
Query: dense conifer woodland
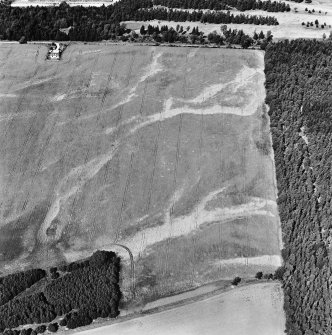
[269,6]
[100,23]
[78,293]
[299,93]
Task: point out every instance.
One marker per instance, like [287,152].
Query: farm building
[55,51]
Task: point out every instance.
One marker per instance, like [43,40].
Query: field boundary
[147,44]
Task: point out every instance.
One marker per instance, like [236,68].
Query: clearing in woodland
[164,150]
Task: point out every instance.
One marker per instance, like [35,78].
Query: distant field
[290,23]
[256,309]
[84,3]
[164,150]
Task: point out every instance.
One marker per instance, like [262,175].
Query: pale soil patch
[59,97]
[251,310]
[149,71]
[69,186]
[248,104]
[304,136]
[31,83]
[174,227]
[11,95]
[242,77]
[91,51]
[153,68]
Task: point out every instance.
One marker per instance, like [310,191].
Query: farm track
[174,181]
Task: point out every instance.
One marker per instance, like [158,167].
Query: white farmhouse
[55,51]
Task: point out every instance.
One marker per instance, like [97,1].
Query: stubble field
[252,310]
[163,150]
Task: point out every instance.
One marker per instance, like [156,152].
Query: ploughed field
[163,150]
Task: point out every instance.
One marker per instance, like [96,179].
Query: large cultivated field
[163,150]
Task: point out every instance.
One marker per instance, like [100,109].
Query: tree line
[298,77]
[80,293]
[85,23]
[99,23]
[165,14]
[269,6]
[195,36]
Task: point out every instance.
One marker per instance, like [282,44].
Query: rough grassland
[164,150]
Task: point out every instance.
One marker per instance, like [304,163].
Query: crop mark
[22,98]
[29,133]
[73,190]
[243,168]
[117,234]
[220,227]
[48,137]
[152,177]
[37,54]
[2,66]
[76,178]
[197,188]
[185,224]
[120,112]
[177,156]
[106,91]
[119,118]
[123,202]
[68,88]
[45,144]
[42,150]
[190,105]
[154,155]
[128,180]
